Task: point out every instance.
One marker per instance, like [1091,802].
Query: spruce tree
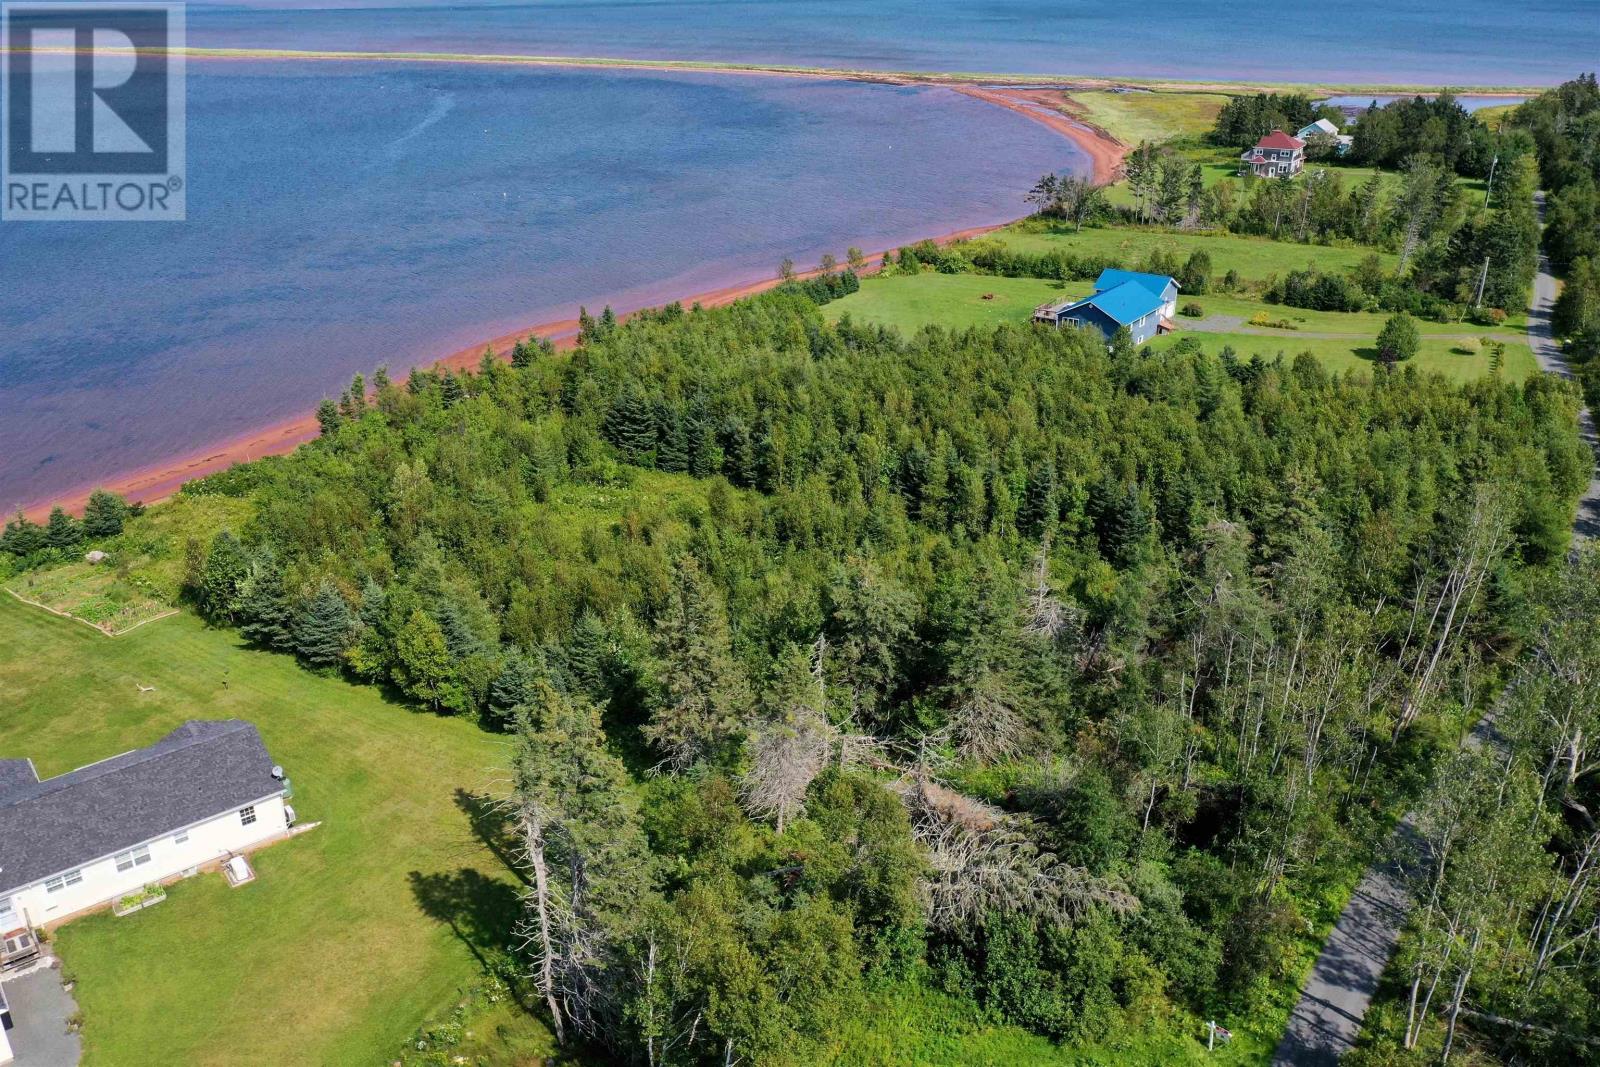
[703,696]
[630,425]
[62,531]
[982,692]
[323,627]
[328,417]
[515,685]
[263,606]
[22,537]
[792,743]
[104,515]
[370,649]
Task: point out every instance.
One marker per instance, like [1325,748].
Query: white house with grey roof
[203,793]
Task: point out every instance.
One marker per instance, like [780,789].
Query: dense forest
[1061,678]
[1055,678]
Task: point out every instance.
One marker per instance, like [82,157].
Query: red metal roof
[1279,139]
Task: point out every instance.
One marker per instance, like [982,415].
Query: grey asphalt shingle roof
[198,771]
[15,774]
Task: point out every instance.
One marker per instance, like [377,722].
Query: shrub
[1192,310]
[1488,316]
[1399,339]
[1318,292]
[1261,318]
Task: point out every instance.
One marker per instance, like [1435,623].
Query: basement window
[247,815]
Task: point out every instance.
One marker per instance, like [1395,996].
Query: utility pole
[1489,185]
[1483,279]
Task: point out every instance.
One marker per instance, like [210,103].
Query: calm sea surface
[343,215]
[1461,42]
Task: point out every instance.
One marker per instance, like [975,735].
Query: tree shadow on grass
[480,910]
[491,824]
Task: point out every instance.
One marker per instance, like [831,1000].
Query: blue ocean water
[1460,42]
[343,215]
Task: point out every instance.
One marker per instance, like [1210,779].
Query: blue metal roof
[1126,303]
[1110,278]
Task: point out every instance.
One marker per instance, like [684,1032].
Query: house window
[7,912]
[134,857]
[181,837]
[61,881]
[247,815]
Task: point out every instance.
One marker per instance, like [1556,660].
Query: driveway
[39,1011]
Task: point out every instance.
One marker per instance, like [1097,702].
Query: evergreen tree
[370,652]
[630,425]
[1041,506]
[104,515]
[328,417]
[62,530]
[263,612]
[703,695]
[982,693]
[516,684]
[225,567]
[323,627]
[791,744]
[1399,339]
[22,536]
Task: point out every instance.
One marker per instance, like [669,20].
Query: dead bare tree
[1447,598]
[982,859]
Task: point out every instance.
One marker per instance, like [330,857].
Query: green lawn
[1253,257]
[908,302]
[352,936]
[1449,358]
[1514,329]
[955,300]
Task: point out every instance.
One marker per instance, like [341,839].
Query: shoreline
[899,77]
[1031,96]
[160,480]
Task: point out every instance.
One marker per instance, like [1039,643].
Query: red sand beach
[158,481]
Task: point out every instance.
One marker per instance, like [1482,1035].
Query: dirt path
[1326,1022]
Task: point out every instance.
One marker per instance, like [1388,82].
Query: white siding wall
[208,841]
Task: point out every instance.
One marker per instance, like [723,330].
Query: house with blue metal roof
[1144,303]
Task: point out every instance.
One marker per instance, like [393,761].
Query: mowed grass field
[1253,257]
[1451,359]
[957,301]
[353,934]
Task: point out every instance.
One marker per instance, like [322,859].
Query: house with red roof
[1274,155]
